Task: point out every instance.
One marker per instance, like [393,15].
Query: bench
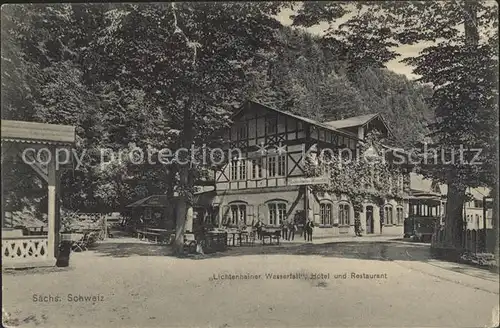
[141,234]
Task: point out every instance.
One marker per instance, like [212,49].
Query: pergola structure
[37,145]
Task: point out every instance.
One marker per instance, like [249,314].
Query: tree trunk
[186,182]
[454,222]
[470,23]
[170,210]
[495,222]
[180,224]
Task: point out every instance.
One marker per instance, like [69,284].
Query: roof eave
[305,120]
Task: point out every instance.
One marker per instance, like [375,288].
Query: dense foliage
[371,176]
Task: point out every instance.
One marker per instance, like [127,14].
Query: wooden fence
[473,241]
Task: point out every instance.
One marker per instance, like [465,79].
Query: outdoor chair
[94,236]
[81,244]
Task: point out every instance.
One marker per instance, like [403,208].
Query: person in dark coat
[284,230]
[309,229]
[258,228]
[292,227]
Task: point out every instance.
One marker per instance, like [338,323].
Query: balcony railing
[24,248]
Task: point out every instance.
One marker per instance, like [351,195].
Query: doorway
[369,219]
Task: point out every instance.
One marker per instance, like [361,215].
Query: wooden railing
[24,248]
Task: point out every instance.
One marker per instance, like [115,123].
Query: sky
[393,65]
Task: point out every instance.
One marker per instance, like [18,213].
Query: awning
[41,133]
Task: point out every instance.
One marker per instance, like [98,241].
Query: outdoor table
[271,234]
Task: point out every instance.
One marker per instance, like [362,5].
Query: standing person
[258,227]
[309,229]
[304,230]
[284,230]
[292,227]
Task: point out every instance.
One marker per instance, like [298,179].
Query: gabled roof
[353,121]
[361,120]
[479,192]
[298,117]
[31,132]
[421,185]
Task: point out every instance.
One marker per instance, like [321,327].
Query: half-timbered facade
[265,157]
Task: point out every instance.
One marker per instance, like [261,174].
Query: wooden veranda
[37,145]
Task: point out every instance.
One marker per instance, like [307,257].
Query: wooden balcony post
[52,208]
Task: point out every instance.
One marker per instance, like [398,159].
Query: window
[271,166]
[276,166]
[238,169]
[388,218]
[399,215]
[413,209]
[271,125]
[242,218]
[281,165]
[478,203]
[234,215]
[243,169]
[241,132]
[433,211]
[424,208]
[340,141]
[277,213]
[291,124]
[344,214]
[238,214]
[325,210]
[234,169]
[257,168]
